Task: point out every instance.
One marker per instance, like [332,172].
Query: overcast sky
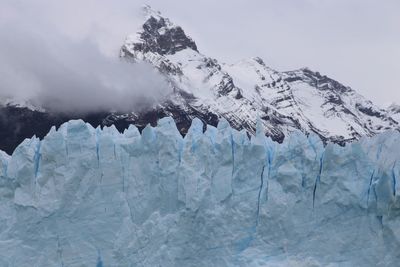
[356,42]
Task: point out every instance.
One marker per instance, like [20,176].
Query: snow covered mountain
[240,92]
[92,197]
[210,90]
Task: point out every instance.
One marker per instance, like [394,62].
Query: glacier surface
[92,197]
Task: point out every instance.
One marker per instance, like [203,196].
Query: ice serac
[94,197]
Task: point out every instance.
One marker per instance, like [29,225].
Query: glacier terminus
[95,197]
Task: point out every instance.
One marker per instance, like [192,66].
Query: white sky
[356,42]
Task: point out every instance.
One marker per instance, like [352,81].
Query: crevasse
[85,196]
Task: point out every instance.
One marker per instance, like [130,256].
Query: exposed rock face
[18,123]
[157,37]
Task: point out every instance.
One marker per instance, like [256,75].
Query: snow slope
[394,111]
[92,197]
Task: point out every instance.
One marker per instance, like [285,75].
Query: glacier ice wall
[92,197]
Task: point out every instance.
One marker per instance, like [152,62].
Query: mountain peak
[159,35]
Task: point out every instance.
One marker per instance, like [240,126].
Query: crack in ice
[318,178]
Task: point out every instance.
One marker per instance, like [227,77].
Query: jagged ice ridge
[93,197]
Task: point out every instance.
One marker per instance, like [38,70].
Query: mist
[63,62]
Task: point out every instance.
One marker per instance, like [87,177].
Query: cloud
[64,62]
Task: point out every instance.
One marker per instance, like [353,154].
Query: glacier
[95,197]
